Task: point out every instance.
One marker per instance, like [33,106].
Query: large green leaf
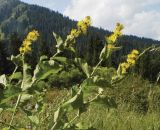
[7,98]
[17,60]
[16,75]
[84,66]
[104,54]
[76,98]
[45,69]
[3,80]
[60,118]
[59,41]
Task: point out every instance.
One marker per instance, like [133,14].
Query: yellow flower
[33,36]
[26,46]
[119,28]
[84,24]
[136,52]
[125,65]
[25,49]
[132,56]
[110,46]
[116,33]
[131,61]
[124,71]
[75,33]
[26,42]
[112,38]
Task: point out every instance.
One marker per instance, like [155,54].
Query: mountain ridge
[28,9]
[18,18]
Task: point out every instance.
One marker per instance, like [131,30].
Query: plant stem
[94,98]
[55,54]
[94,70]
[13,73]
[73,119]
[19,96]
[2,122]
[15,108]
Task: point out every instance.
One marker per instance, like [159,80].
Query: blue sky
[58,5]
[140,17]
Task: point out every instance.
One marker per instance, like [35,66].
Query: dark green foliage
[149,65]
[18,18]
[66,79]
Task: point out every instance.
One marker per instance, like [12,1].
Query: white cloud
[138,16]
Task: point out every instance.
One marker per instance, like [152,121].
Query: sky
[140,17]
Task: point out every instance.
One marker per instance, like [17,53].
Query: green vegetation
[80,83]
[18,18]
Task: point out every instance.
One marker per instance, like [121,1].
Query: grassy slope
[131,113]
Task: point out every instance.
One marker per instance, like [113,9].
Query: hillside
[18,18]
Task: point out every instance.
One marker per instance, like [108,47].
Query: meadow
[66,93]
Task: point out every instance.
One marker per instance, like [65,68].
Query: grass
[131,113]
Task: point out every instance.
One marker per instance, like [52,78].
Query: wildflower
[124,67]
[116,33]
[131,56]
[110,46]
[75,33]
[136,52]
[84,24]
[82,28]
[33,36]
[112,38]
[26,46]
[131,60]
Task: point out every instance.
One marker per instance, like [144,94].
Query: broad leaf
[3,80]
[84,66]
[59,41]
[45,69]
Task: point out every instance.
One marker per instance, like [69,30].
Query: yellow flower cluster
[116,33]
[110,46]
[82,28]
[31,37]
[84,24]
[113,37]
[131,60]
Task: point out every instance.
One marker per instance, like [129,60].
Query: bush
[66,79]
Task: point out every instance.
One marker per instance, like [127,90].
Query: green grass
[138,108]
